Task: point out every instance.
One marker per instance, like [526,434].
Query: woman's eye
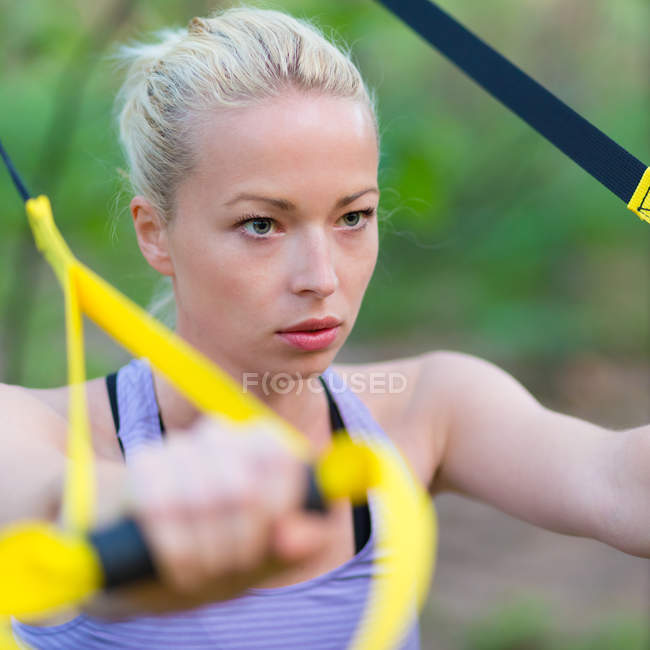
[357,220]
[258,226]
[352,219]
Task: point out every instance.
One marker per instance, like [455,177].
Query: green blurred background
[492,242]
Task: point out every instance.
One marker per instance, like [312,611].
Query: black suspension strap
[608,162]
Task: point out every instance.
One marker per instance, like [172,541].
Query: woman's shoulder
[384,386]
[414,399]
[99,412]
[425,380]
[21,411]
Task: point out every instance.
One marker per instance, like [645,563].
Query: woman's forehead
[290,144]
[288,131]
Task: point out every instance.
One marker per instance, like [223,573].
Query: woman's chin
[303,365]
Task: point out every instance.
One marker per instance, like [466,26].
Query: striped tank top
[321,613]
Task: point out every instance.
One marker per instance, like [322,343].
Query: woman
[253,150]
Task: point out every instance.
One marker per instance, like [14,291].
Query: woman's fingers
[159,511]
[224,509]
[211,503]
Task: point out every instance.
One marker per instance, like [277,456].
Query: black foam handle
[124,554]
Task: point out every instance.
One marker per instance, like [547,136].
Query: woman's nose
[312,266]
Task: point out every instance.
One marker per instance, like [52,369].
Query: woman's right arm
[32,461]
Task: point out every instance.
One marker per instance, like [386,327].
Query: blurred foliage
[492,241]
[519,626]
[528,625]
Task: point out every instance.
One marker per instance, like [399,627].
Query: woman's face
[275,225]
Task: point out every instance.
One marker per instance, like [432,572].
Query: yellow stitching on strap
[640,201]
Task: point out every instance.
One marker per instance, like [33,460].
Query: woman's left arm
[500,445]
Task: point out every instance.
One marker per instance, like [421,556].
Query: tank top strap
[358,420]
[137,407]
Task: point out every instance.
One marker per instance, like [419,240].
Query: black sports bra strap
[111,386]
[361,513]
[335,415]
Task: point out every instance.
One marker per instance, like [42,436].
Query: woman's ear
[151,231]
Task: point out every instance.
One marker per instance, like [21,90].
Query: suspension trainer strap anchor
[609,163]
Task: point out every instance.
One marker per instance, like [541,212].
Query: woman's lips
[311,340]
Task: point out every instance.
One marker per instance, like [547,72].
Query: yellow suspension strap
[44,568]
[609,163]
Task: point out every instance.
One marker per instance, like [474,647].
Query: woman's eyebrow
[283,204]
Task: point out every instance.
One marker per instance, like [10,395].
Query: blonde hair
[237,57]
